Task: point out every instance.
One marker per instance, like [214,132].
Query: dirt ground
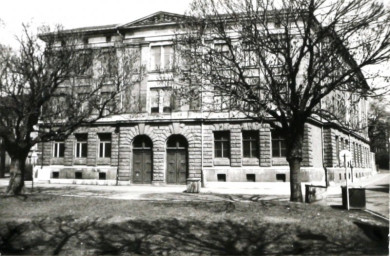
[42,224]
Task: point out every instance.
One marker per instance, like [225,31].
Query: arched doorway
[177,159]
[142,160]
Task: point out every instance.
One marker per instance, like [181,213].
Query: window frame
[251,137]
[222,144]
[57,149]
[163,64]
[80,144]
[276,137]
[103,143]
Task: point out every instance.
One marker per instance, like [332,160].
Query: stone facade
[198,127]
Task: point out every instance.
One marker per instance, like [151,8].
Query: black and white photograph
[194,127]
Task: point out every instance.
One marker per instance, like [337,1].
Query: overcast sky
[77,13]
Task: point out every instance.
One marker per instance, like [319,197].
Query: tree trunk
[294,157]
[17,171]
[2,161]
[295,180]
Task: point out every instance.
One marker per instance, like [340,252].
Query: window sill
[250,161]
[279,161]
[80,161]
[221,161]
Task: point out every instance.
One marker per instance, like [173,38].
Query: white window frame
[162,67]
[56,146]
[104,142]
[79,145]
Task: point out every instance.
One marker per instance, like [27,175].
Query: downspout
[323,152]
[118,131]
[203,185]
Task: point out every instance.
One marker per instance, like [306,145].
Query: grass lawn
[50,224]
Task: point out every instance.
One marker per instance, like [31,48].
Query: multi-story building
[159,142]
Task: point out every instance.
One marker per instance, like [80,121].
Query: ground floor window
[278,144]
[250,144]
[104,145]
[58,149]
[81,145]
[222,144]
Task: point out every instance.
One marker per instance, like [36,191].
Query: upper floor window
[81,145]
[250,143]
[104,145]
[161,57]
[84,64]
[278,144]
[108,63]
[58,149]
[222,144]
[162,100]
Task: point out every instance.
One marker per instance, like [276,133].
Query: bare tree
[379,131]
[284,63]
[49,90]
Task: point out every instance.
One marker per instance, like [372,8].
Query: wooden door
[142,166]
[176,166]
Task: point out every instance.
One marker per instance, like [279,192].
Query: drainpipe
[118,131]
[323,151]
[323,157]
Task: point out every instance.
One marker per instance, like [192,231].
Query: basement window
[281,177]
[55,175]
[221,177]
[251,177]
[102,175]
[78,175]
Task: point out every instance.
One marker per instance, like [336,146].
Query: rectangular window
[278,144]
[81,145]
[168,57]
[161,57]
[154,101]
[250,143]
[108,63]
[84,64]
[104,145]
[163,100]
[156,57]
[222,144]
[58,149]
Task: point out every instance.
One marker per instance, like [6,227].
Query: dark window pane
[226,150]
[101,149]
[62,150]
[105,136]
[81,136]
[108,150]
[275,148]
[218,152]
[84,149]
[142,141]
[247,152]
[254,150]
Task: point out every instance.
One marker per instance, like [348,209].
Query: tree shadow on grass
[380,188]
[98,236]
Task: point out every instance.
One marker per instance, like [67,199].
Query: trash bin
[357,197]
[193,185]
